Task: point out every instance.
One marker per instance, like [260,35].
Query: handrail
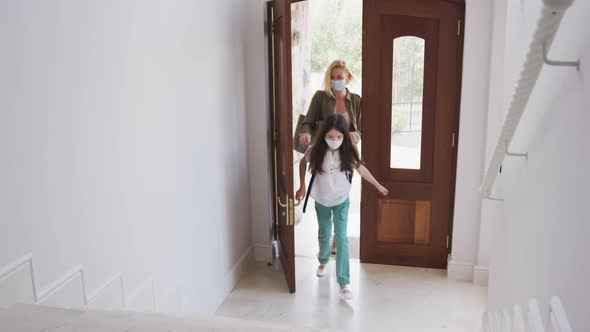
[551,16]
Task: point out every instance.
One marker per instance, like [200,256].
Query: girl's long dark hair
[349,155]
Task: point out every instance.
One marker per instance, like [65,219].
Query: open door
[279,27]
[412,55]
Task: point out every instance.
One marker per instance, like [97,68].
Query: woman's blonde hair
[328,77]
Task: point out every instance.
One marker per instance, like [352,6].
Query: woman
[335,98]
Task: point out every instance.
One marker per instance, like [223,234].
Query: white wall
[541,246]
[472,130]
[122,139]
[258,127]
[490,209]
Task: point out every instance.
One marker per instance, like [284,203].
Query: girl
[332,159]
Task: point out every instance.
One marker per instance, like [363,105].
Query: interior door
[411,83]
[282,140]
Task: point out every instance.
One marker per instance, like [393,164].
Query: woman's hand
[300,194]
[382,190]
[304,138]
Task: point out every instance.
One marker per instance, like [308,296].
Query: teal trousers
[340,214]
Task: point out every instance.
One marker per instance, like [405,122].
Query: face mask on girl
[334,145]
[338,85]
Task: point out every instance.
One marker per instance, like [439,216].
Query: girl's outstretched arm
[300,194]
[365,174]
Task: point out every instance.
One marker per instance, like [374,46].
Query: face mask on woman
[338,85]
[334,145]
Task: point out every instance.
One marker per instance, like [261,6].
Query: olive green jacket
[323,105]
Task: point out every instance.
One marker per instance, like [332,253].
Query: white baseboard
[142,298]
[245,261]
[480,275]
[70,290]
[263,252]
[232,278]
[460,271]
[468,272]
[17,284]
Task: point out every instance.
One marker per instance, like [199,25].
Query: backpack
[348,175]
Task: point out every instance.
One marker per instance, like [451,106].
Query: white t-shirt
[332,187]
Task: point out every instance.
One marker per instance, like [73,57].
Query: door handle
[298,202]
[290,206]
[283,205]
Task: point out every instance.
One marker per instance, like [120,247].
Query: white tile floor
[387,298]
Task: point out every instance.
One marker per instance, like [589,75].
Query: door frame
[456,121]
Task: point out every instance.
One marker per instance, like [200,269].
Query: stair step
[25,317]
[35,318]
[97,320]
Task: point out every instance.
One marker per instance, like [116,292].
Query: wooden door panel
[282,141]
[404,221]
[408,190]
[411,225]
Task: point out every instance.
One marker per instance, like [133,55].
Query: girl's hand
[382,190]
[300,194]
[304,139]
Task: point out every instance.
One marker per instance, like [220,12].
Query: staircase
[37,318]
[67,305]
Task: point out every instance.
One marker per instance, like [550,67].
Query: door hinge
[448,239]
[458,27]
[453,140]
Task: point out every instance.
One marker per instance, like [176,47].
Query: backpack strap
[349,175]
[308,191]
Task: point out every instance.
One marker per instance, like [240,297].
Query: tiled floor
[387,298]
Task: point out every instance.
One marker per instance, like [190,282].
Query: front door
[411,84]
[282,124]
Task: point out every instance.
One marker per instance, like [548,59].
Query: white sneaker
[346,294]
[321,271]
